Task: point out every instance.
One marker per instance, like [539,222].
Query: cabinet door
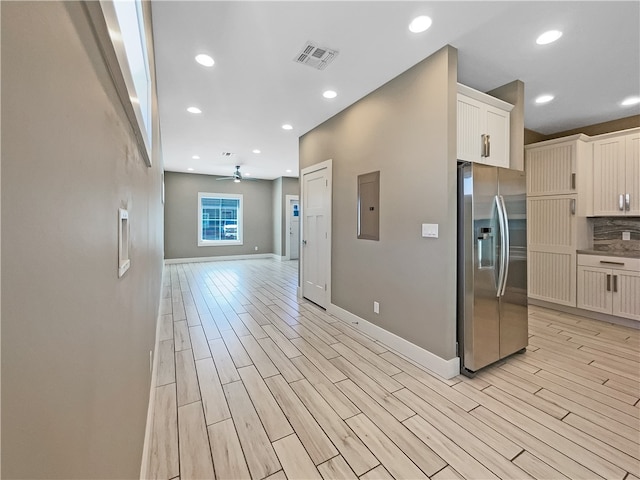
[497,127]
[593,293]
[626,294]
[551,169]
[608,176]
[632,173]
[551,239]
[469,133]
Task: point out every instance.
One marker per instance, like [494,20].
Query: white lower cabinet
[552,240]
[609,285]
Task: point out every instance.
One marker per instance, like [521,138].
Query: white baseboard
[173,261]
[445,368]
[148,432]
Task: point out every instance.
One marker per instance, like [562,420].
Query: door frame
[287,226]
[328,164]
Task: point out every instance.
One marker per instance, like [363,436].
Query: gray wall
[181,215]
[75,337]
[407,130]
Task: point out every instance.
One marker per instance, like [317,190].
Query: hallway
[253,382]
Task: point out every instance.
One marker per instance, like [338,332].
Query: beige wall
[407,130]
[181,215]
[75,337]
[596,129]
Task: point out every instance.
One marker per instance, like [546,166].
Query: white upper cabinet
[483,128]
[561,167]
[616,175]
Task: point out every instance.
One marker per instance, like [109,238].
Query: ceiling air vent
[226,154]
[314,56]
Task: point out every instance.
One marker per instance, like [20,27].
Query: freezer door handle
[621,202]
[627,202]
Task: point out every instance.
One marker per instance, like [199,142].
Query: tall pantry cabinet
[558,201]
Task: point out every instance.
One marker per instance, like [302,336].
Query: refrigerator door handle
[506,249]
[503,243]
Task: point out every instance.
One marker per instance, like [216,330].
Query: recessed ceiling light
[286,126]
[256,151]
[204,59]
[236,180]
[420,24]
[329,94]
[288,171]
[196,157]
[246,174]
[627,102]
[190,169]
[548,37]
[544,99]
[194,110]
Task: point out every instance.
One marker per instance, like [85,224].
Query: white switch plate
[430,230]
[626,235]
[376,307]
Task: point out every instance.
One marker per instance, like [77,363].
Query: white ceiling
[255,86]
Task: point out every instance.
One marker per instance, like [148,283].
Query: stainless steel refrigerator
[492,265]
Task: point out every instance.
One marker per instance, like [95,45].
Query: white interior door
[316,235]
[294,229]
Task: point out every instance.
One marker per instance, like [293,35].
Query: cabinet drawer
[617,263]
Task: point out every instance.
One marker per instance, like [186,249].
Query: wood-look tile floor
[253,382]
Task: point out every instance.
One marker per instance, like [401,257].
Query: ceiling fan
[237,176]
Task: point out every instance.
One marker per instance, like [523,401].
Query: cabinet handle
[487,143]
[572,206]
[607,262]
[608,282]
[615,283]
[573,181]
[627,202]
[621,202]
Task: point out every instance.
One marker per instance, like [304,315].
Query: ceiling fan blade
[226,178]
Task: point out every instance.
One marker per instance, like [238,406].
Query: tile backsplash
[607,234]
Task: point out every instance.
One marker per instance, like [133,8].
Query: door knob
[304,242]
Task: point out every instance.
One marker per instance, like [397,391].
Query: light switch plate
[626,235]
[430,230]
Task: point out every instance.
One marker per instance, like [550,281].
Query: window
[219,219]
[125,21]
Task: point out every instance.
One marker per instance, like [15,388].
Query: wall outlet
[376,307]
[255,248]
[430,230]
[626,235]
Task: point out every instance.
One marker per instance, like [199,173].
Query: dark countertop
[627,254]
